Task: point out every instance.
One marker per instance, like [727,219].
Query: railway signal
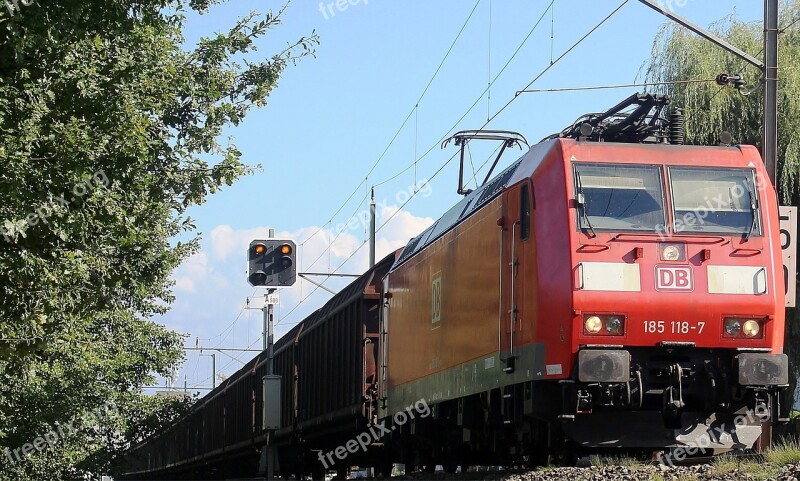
[272,263]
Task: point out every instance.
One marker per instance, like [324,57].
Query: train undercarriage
[700,401]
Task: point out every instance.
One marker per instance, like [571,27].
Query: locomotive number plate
[674,327]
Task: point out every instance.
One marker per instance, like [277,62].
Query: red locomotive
[611,289]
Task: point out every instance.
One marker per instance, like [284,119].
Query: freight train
[611,291]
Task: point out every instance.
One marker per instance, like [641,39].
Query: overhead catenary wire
[232,324]
[357,249]
[233,358]
[791,24]
[560,57]
[416,160]
[537,77]
[365,181]
[475,103]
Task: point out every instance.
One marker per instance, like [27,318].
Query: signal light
[271,263]
[257,278]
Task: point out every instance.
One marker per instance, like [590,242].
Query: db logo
[436,298]
[674,279]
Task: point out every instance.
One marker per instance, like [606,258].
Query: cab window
[615,197]
[525,212]
[719,201]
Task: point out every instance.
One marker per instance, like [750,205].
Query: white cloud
[195,269]
[211,285]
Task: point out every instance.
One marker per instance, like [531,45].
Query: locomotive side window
[619,197]
[525,212]
[719,201]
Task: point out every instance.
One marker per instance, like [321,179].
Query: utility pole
[771,89]
[372,230]
[213,357]
[269,313]
[768,68]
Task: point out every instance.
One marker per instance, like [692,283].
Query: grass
[787,452]
[725,464]
[766,466]
[626,461]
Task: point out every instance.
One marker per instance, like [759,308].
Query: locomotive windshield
[720,201]
[619,197]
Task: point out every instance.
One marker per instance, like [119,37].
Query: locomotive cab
[677,306]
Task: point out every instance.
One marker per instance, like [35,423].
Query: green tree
[679,55]
[109,131]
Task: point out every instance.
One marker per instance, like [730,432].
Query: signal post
[271,264]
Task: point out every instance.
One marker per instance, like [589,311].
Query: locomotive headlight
[593,324]
[733,326]
[672,252]
[751,328]
[614,325]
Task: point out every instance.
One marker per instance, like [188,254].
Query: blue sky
[331,117]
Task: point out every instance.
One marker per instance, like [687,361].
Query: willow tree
[678,56]
[109,129]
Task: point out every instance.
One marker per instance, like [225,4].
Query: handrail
[500,298]
[512,314]
[650,238]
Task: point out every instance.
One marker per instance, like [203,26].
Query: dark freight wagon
[327,364]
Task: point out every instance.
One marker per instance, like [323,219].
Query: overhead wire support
[655,5]
[768,68]
[220,349]
[619,86]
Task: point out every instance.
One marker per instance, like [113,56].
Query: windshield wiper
[581,201]
[753,210]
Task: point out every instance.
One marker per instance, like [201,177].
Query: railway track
[698,469]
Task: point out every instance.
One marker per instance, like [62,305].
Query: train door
[516,251]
